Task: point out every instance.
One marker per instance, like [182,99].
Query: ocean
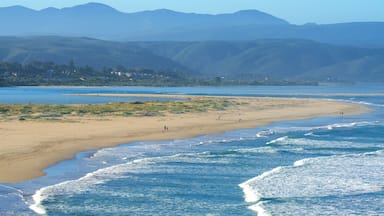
[320,166]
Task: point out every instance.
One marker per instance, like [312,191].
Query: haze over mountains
[83,51]
[246,45]
[103,22]
[275,59]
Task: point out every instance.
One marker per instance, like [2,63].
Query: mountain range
[268,59]
[103,22]
[83,51]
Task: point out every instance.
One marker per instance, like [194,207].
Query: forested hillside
[275,59]
[260,62]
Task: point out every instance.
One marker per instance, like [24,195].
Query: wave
[37,206]
[267,149]
[319,138]
[87,182]
[229,139]
[362,204]
[317,177]
[316,143]
[259,209]
[349,125]
[278,140]
[13,201]
[363,103]
[12,190]
[82,184]
[251,194]
[280,130]
[265,133]
[311,134]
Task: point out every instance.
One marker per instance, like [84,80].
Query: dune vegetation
[150,108]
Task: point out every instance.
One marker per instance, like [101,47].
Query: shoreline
[29,147]
[244,96]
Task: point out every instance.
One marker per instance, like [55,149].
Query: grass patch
[138,108]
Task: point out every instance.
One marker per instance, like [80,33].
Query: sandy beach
[28,147]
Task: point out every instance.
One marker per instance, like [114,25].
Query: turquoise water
[323,166]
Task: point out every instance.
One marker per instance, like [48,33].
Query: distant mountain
[103,22]
[275,59]
[259,60]
[82,51]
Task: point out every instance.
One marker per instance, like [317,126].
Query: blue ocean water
[322,166]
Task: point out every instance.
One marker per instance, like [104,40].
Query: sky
[294,11]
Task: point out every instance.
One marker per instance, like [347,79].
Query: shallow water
[323,166]
[67,95]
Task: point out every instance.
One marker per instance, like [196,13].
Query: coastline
[31,146]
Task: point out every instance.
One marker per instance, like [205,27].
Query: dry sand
[28,147]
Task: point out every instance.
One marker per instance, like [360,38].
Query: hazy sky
[294,11]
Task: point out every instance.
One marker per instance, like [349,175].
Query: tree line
[49,73]
[39,73]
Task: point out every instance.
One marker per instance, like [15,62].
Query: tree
[218,80]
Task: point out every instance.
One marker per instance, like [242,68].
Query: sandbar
[29,147]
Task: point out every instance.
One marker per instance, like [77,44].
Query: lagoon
[68,95]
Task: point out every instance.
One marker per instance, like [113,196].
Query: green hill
[82,51]
[261,61]
[275,59]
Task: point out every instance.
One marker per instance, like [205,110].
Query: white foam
[267,149]
[250,192]
[103,175]
[13,191]
[309,134]
[282,130]
[376,153]
[265,133]
[81,184]
[12,188]
[307,142]
[259,209]
[370,104]
[299,163]
[364,103]
[37,207]
[319,177]
[280,139]
[250,195]
[220,140]
[347,125]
